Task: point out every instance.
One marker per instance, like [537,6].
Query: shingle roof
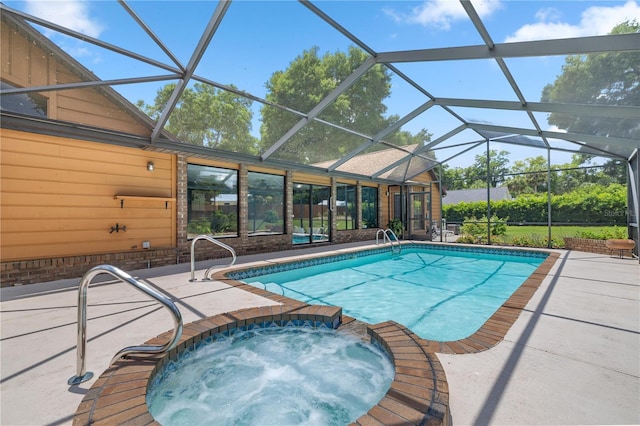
[458,195]
[372,162]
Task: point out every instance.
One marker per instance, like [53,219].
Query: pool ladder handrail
[81,374]
[385,237]
[193,256]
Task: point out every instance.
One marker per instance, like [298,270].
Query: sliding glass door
[311,213]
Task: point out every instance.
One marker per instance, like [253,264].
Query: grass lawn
[536,235]
[556,231]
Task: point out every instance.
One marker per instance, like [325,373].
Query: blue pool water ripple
[440,295]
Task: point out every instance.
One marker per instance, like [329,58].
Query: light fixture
[150,166]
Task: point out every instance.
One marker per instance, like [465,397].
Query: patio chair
[435,232]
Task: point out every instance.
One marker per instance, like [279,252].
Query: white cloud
[554,128]
[70,14]
[548,14]
[596,20]
[442,13]
[603,19]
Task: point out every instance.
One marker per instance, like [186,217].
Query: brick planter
[586,244]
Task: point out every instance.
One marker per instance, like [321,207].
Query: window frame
[278,229]
[200,226]
[368,211]
[348,195]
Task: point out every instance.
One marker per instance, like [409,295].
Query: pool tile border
[281,265]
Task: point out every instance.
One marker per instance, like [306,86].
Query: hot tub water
[280,376]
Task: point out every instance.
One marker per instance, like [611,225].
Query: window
[265,204]
[32,103]
[346,206]
[369,207]
[212,194]
[311,213]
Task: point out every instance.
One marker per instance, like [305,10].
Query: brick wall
[586,244]
[341,237]
[42,270]
[51,269]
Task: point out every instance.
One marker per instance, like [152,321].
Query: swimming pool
[440,293]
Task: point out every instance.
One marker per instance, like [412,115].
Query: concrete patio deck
[572,357]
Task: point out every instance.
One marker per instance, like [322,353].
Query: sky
[257,38]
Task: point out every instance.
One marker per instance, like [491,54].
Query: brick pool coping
[419,393]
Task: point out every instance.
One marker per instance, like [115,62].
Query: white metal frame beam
[190,69]
[524,49]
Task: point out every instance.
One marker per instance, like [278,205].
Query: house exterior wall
[26,62]
[435,198]
[436,206]
[244,243]
[58,208]
[58,197]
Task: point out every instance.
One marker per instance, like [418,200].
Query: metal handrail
[385,237]
[81,374]
[395,239]
[214,241]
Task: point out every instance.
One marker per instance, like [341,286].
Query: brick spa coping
[419,393]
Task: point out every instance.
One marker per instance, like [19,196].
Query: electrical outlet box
[146,244]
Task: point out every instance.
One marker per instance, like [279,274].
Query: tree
[528,176]
[208,117]
[475,176]
[583,169]
[453,177]
[498,167]
[614,171]
[307,81]
[608,79]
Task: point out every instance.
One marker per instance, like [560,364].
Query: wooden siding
[266,170]
[27,62]
[58,197]
[348,182]
[213,163]
[312,179]
[436,204]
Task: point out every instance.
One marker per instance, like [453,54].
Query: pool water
[439,294]
[279,376]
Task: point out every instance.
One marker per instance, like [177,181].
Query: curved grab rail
[214,241]
[385,237]
[82,375]
[395,240]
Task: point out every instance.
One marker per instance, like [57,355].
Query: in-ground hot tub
[418,393]
[292,375]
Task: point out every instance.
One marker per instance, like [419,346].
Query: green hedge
[593,204]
